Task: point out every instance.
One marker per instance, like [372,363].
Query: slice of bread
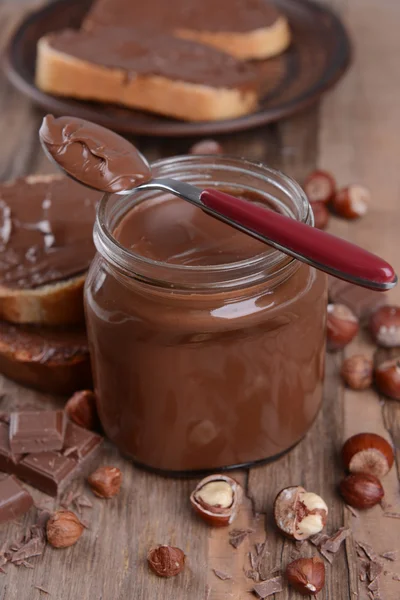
[246,29]
[50,360]
[41,283]
[148,71]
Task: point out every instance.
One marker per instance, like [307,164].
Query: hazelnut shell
[214,515]
[384,325]
[166,561]
[81,409]
[387,378]
[63,529]
[361,490]
[351,202]
[341,326]
[357,372]
[105,482]
[320,186]
[368,453]
[321,214]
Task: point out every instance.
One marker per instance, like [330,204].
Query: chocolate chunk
[46,471]
[363,302]
[39,431]
[34,547]
[14,499]
[83,441]
[374,570]
[333,543]
[269,587]
[237,536]
[369,551]
[221,575]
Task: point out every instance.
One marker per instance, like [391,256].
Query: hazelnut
[321,214]
[105,482]
[299,514]
[206,147]
[384,326]
[351,202]
[387,378]
[361,490]
[368,453]
[357,372]
[166,561]
[217,499]
[63,529]
[306,575]
[81,409]
[320,186]
[341,326]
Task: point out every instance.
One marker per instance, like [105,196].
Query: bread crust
[61,74]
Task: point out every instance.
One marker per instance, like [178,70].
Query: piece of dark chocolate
[47,471]
[40,431]
[14,499]
[79,442]
[8,460]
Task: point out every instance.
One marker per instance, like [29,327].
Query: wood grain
[355,133]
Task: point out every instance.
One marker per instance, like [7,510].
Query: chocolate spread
[200,379]
[94,155]
[145,52]
[46,228]
[198,15]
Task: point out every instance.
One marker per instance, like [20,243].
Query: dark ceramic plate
[318,56]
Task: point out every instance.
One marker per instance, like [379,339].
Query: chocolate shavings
[374,570]
[268,587]
[391,555]
[221,575]
[237,536]
[41,589]
[392,515]
[369,551]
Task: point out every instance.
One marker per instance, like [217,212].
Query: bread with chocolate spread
[147,70]
[46,224]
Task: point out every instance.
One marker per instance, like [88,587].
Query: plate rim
[181,129]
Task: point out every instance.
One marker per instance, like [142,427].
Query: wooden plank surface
[354,133]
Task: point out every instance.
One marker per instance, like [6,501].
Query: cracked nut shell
[361,490]
[299,514]
[368,453]
[217,499]
[306,575]
[63,529]
[166,561]
[105,482]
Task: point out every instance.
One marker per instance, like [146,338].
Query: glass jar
[205,367]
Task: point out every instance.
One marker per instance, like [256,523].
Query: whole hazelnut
[306,575]
[166,561]
[105,482]
[63,529]
[387,378]
[368,453]
[319,186]
[206,147]
[361,490]
[351,202]
[321,214]
[217,499]
[341,326]
[299,514]
[357,372]
[81,409]
[384,325]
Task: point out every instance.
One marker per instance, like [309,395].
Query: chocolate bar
[37,431]
[14,499]
[362,301]
[51,471]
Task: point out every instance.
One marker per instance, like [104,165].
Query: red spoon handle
[323,250]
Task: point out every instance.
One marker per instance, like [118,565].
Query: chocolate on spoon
[105,161]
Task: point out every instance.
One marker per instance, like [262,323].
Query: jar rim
[271,262]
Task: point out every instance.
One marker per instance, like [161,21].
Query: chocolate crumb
[68,499]
[318,539]
[259,547]
[374,570]
[41,589]
[34,547]
[268,587]
[221,575]
[364,566]
[374,585]
[391,555]
[27,564]
[392,515]
[83,501]
[237,536]
[333,543]
[250,574]
[396,577]
[253,560]
[207,592]
[369,551]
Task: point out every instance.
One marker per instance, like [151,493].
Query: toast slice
[246,29]
[54,361]
[147,71]
[46,224]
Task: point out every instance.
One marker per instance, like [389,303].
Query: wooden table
[355,132]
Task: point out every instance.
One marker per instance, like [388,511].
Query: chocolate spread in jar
[94,155]
[46,225]
[202,379]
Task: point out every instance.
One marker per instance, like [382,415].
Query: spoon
[107,162]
